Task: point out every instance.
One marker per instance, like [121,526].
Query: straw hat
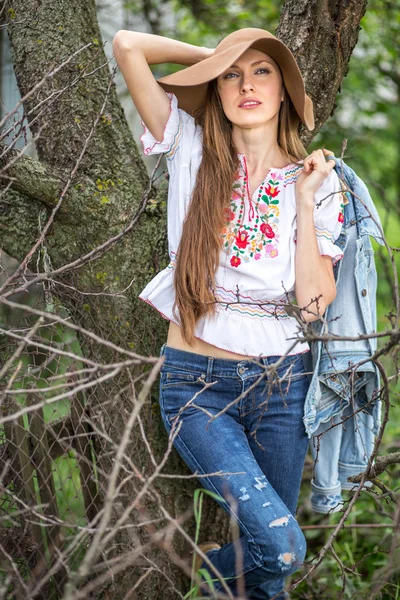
[190,84]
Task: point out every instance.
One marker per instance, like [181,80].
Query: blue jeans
[262,437]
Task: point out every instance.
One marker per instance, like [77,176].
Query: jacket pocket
[369,258]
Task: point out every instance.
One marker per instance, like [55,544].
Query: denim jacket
[334,392]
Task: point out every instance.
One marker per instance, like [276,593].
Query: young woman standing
[252,224]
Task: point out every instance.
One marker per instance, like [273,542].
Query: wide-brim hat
[190,84]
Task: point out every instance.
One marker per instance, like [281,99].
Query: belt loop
[209,368]
[162,351]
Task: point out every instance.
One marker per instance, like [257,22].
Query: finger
[321,158]
[328,152]
[308,162]
[321,153]
[317,161]
[331,164]
[312,155]
[316,155]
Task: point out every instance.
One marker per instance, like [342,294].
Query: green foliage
[49,382]
[367,116]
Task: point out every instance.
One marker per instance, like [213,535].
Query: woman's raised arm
[134,52]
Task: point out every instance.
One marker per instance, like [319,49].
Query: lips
[249,102]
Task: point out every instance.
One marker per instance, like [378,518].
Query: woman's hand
[316,169]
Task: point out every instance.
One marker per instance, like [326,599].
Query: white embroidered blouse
[257,268]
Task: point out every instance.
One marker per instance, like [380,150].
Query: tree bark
[322,36]
[105,192]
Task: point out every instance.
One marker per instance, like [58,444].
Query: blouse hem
[207,342]
[335,259]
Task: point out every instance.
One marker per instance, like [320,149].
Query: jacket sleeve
[180,125]
[329,216]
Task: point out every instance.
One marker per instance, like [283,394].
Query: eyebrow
[257,62]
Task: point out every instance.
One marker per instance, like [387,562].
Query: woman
[251,227]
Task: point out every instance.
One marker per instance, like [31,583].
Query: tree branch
[36,180]
[381,462]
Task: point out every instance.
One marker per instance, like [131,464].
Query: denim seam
[291,377]
[196,372]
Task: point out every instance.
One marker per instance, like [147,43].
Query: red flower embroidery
[267,230]
[229,215]
[341,218]
[271,190]
[242,239]
[235,261]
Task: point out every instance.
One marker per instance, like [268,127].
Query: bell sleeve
[329,216]
[178,121]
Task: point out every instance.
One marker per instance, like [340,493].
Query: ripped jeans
[253,452]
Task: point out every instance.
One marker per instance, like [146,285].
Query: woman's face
[251,90]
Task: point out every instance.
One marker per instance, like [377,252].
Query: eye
[261,70]
[227,76]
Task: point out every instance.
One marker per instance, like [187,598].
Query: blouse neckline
[242,159]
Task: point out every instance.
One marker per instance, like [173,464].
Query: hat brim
[190,84]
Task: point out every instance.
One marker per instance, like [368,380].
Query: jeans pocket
[178,393]
[175,377]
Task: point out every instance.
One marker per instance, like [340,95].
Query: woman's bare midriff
[175,340]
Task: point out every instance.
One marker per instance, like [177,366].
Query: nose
[247,83]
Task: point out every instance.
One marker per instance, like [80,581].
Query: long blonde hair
[198,253]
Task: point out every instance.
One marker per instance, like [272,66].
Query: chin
[251,123]
[248,121]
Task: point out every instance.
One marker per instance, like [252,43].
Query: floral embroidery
[246,240]
[272,191]
[341,213]
[267,230]
[235,261]
[242,239]
[345,200]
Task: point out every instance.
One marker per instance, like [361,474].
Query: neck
[260,146]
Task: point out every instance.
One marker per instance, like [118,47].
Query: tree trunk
[106,192]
